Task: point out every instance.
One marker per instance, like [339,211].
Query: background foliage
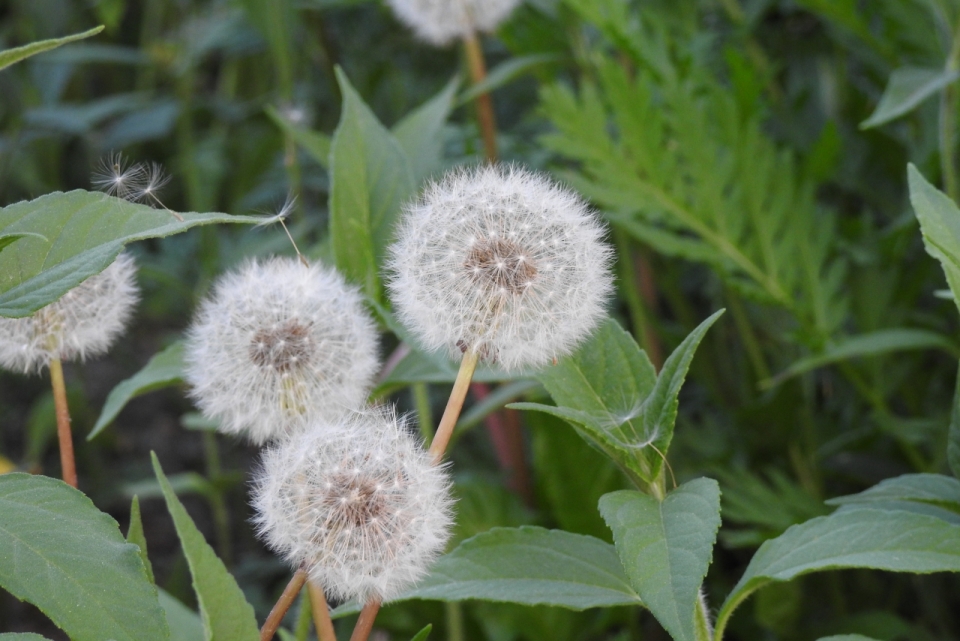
[746,155]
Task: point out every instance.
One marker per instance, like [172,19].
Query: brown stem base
[283,604]
[365,623]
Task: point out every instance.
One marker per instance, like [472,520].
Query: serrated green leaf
[906,89]
[420,133]
[666,547]
[939,224]
[86,232]
[882,341]
[315,143]
[11,56]
[893,540]
[136,536]
[423,634]
[59,550]
[164,370]
[371,179]
[609,391]
[225,612]
[933,489]
[506,72]
[185,624]
[526,565]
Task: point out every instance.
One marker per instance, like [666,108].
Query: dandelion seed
[115,177]
[480,256]
[278,344]
[440,22]
[357,502]
[84,322]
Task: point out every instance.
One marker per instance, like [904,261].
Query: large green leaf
[136,536]
[163,370]
[62,554]
[940,225]
[609,391]
[893,540]
[420,133]
[906,89]
[80,234]
[315,143]
[371,179]
[933,489]
[882,341]
[11,56]
[185,624]
[666,547]
[225,612]
[530,566]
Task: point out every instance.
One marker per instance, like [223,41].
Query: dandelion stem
[283,604]
[67,462]
[478,73]
[321,613]
[454,404]
[365,623]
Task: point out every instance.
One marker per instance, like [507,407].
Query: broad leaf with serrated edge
[666,547]
[163,370]
[893,540]
[75,235]
[371,179]
[225,612]
[940,225]
[62,554]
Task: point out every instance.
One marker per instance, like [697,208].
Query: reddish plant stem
[485,115]
[67,462]
[282,605]
[365,623]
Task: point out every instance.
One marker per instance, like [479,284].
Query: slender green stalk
[748,336]
[68,464]
[421,401]
[218,505]
[630,288]
[302,629]
[282,605]
[702,630]
[455,627]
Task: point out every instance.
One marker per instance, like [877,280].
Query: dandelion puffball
[83,322]
[358,504]
[276,344]
[439,22]
[502,261]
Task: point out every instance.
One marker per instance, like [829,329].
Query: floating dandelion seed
[117,178]
[83,322]
[277,345]
[439,22]
[358,503]
[501,261]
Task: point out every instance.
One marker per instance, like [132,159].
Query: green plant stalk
[948,116]
[455,627]
[68,464]
[748,336]
[302,628]
[218,505]
[702,630]
[630,288]
[421,402]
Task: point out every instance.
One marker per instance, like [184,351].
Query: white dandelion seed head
[358,503]
[439,22]
[84,322]
[278,344]
[503,261]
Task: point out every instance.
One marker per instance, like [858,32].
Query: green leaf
[11,56]
[315,143]
[135,535]
[906,89]
[530,566]
[423,634]
[933,489]
[70,560]
[164,370]
[953,437]
[608,390]
[185,624]
[939,224]
[420,133]
[847,637]
[371,179]
[86,232]
[666,547]
[882,341]
[225,612]
[506,72]
[8,239]
[893,540]
[21,636]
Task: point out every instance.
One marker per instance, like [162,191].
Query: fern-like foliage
[674,160]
